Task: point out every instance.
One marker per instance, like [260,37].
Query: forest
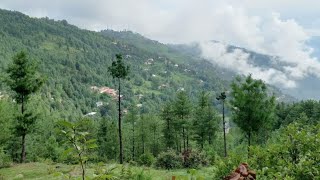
[78,104]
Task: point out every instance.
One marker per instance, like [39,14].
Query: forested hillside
[73,60]
[61,110]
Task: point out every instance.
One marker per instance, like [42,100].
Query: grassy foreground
[44,171]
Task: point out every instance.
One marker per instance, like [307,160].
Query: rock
[242,173]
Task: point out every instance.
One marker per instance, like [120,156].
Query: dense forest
[79,101]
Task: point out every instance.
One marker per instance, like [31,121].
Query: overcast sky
[275,27]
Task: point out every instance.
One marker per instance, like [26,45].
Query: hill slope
[73,60]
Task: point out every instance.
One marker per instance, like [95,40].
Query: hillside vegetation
[62,117]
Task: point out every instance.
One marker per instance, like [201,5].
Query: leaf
[66,124]
[92,146]
[84,133]
[67,151]
[91,141]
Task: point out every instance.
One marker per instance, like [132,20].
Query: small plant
[79,141]
[142,176]
[103,172]
[146,159]
[169,160]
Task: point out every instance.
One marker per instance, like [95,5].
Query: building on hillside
[99,103]
[91,114]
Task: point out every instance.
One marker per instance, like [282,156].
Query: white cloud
[237,60]
[270,35]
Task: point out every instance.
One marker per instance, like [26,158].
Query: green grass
[43,171]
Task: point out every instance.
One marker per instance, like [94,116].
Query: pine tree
[182,111]
[205,121]
[119,70]
[168,130]
[252,107]
[24,80]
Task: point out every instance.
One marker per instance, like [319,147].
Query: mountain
[307,88]
[75,63]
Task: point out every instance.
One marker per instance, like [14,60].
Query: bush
[224,165]
[146,159]
[5,160]
[169,160]
[294,153]
[194,159]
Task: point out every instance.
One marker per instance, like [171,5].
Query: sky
[279,28]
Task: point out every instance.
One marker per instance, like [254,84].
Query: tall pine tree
[252,107]
[24,80]
[119,71]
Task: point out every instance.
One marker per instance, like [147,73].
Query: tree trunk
[23,146]
[23,136]
[143,144]
[202,140]
[224,131]
[154,142]
[119,124]
[187,140]
[82,166]
[249,143]
[177,142]
[183,137]
[133,145]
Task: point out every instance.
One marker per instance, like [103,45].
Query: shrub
[5,160]
[294,153]
[169,160]
[146,159]
[194,159]
[224,165]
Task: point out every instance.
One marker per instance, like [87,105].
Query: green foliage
[225,165]
[23,79]
[5,160]
[182,110]
[118,69]
[7,112]
[146,159]
[79,140]
[107,145]
[205,123]
[288,113]
[252,108]
[169,160]
[103,172]
[292,153]
[168,132]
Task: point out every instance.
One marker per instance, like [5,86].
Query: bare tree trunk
[119,124]
[187,139]
[249,143]
[133,145]
[177,142]
[23,151]
[82,167]
[154,142]
[224,131]
[23,136]
[183,137]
